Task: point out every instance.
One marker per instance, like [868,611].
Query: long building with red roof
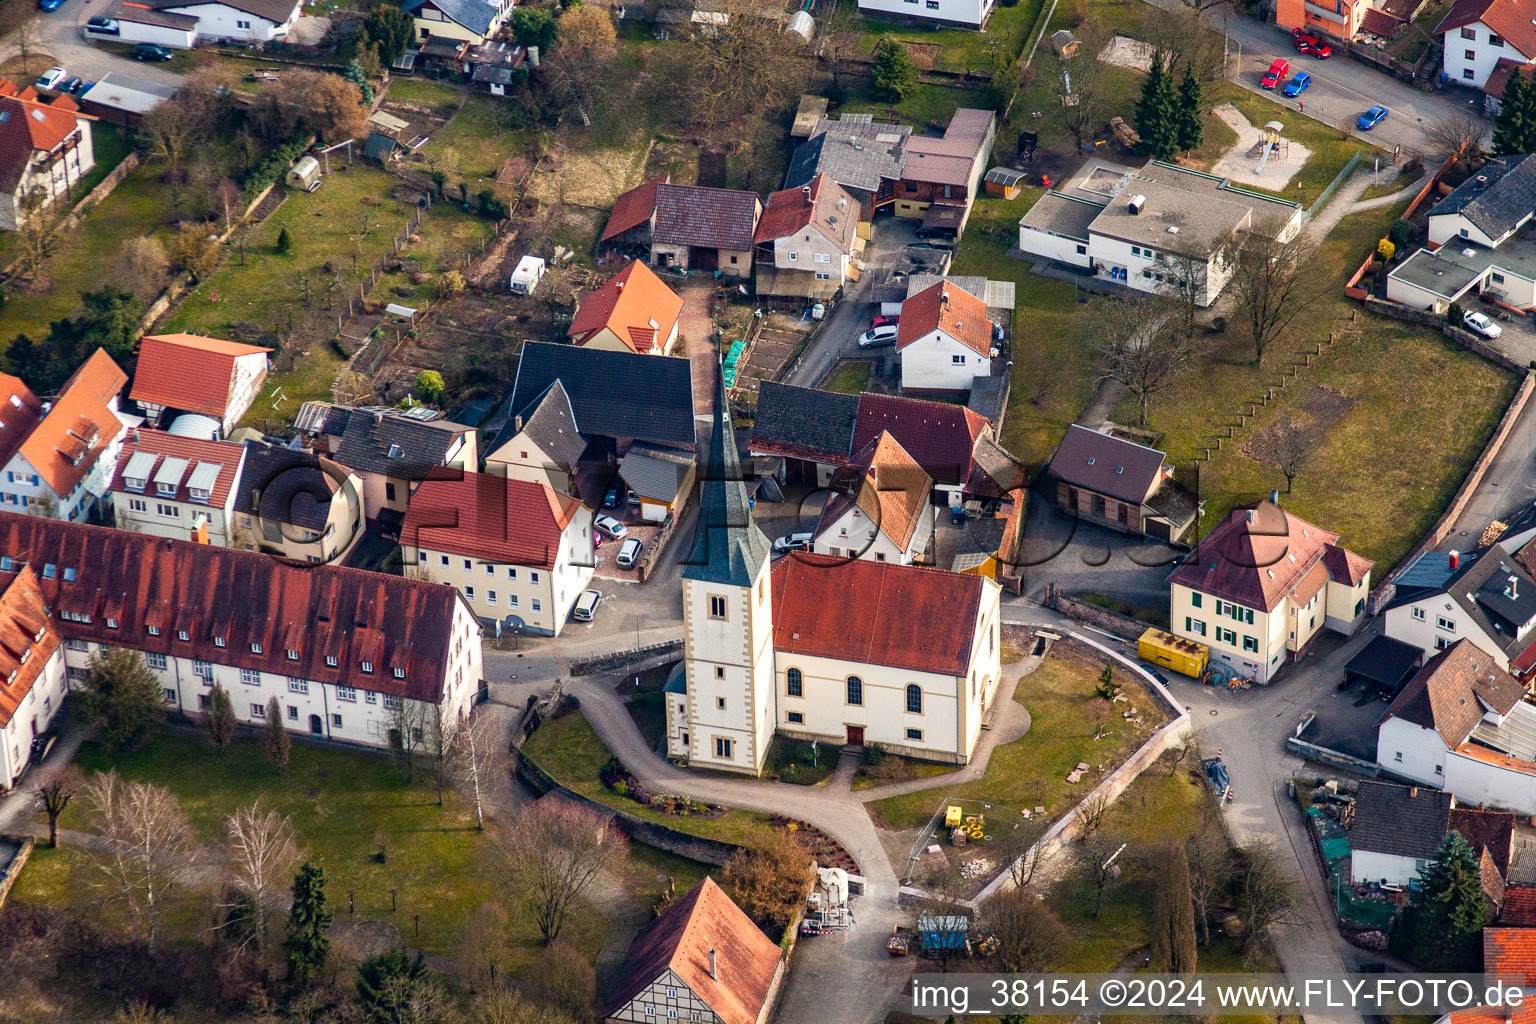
[188,373]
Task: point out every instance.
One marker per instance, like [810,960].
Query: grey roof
[715,218]
[285,485]
[549,423]
[1171,217]
[389,443]
[124,92]
[1401,821]
[613,394]
[728,546]
[1425,575]
[1175,504]
[655,473]
[1106,464]
[1386,661]
[1006,176]
[852,151]
[1482,591]
[1497,198]
[475,15]
[1057,214]
[987,393]
[379,146]
[142,15]
[1456,266]
[804,422]
[999,296]
[275,11]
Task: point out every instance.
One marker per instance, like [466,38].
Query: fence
[1333,186]
[657,546]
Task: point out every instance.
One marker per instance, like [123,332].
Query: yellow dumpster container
[954,817]
[1173,652]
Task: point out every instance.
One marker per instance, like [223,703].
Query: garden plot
[1241,162]
[587,178]
[1314,416]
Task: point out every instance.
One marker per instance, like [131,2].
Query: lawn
[1008,32]
[338,802]
[569,750]
[850,379]
[1032,770]
[1377,364]
[792,761]
[891,768]
[182,62]
[1051,379]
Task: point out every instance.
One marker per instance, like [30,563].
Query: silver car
[586,605]
[629,553]
[1477,323]
[611,526]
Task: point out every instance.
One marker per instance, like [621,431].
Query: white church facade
[842,651]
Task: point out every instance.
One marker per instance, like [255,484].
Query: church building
[838,650]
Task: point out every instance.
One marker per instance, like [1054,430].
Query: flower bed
[618,779]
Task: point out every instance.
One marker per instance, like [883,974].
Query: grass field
[850,379]
[1008,32]
[1031,771]
[338,802]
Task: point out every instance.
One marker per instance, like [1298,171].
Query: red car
[1322,51]
[1276,73]
[883,321]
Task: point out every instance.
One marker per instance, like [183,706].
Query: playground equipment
[1124,133]
[1269,142]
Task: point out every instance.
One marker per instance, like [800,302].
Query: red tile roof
[71,437]
[28,638]
[885,483]
[1509,19]
[241,598]
[1448,693]
[19,412]
[862,611]
[188,372]
[1510,951]
[945,306]
[1519,909]
[227,455]
[681,940]
[1498,78]
[1344,566]
[29,125]
[823,204]
[1379,22]
[633,208]
[939,435]
[492,518]
[635,304]
[1257,555]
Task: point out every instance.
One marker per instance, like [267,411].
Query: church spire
[728,546]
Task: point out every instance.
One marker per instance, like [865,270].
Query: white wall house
[1395,831]
[961,13]
[177,487]
[519,552]
[128,22]
[246,21]
[32,676]
[45,157]
[945,340]
[1484,597]
[1479,33]
[879,509]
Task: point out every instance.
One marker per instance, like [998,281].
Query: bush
[273,167]
[874,753]
[1400,232]
[1454,314]
[836,95]
[1385,249]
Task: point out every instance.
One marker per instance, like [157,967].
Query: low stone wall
[1466,339]
[13,869]
[1332,758]
[635,660]
[1113,622]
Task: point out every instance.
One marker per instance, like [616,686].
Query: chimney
[1249,514]
[805,190]
[517,423]
[1274,497]
[619,285]
[1413,792]
[713,973]
[1514,587]
[1455,559]
[944,297]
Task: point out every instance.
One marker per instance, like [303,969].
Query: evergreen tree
[357,77]
[1447,913]
[1107,687]
[1515,126]
[221,716]
[274,738]
[284,241]
[1155,120]
[121,695]
[1173,916]
[307,943]
[382,1001]
[1189,126]
[895,72]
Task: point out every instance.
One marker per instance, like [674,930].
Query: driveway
[60,33]
[1076,555]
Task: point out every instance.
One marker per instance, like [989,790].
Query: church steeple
[728,547]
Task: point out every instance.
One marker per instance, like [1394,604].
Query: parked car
[586,605]
[1298,85]
[1371,118]
[611,526]
[878,336]
[83,87]
[73,85]
[1477,323]
[103,26]
[1322,51]
[885,321]
[629,553]
[792,542]
[611,499]
[1303,39]
[1276,73]
[634,498]
[51,78]
[151,52]
[49,5]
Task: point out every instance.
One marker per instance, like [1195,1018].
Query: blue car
[49,5]
[1298,85]
[1371,118]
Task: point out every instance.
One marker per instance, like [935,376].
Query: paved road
[59,34]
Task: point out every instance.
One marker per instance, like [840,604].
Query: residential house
[178,487]
[945,341]
[657,413]
[45,150]
[1339,20]
[1478,34]
[1478,240]
[633,311]
[188,373]
[1396,831]
[519,552]
[1261,584]
[946,171]
[701,960]
[687,227]
[541,444]
[1498,80]
[864,159]
[1103,479]
[65,464]
[844,651]
[129,21]
[806,241]
[1487,597]
[295,504]
[879,508]
[238,21]
[349,655]
[390,451]
[1161,229]
[472,21]
[1462,724]
[972,14]
[492,65]
[32,677]
[812,434]
[1508,954]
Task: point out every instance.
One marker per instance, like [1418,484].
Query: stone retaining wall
[13,869]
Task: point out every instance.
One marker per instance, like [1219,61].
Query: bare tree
[739,62]
[1029,937]
[1264,894]
[484,947]
[143,840]
[576,68]
[142,267]
[508,1006]
[1101,865]
[1185,38]
[840,32]
[19,25]
[1295,440]
[56,794]
[1458,133]
[1092,813]
[1210,869]
[262,854]
[941,916]
[32,228]
[409,721]
[1272,282]
[1082,88]
[1141,344]
[438,742]
[1021,849]
[478,758]
[552,852]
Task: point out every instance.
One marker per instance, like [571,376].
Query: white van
[586,605]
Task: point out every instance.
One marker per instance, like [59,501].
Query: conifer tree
[307,943]
[1155,119]
[1448,913]
[1515,126]
[1190,128]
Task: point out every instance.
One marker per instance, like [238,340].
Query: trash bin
[1444,78]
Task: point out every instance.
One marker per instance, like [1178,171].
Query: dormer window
[7,563]
[293,655]
[49,571]
[219,641]
[399,673]
[166,490]
[25,655]
[111,622]
[40,633]
[182,634]
[199,495]
[69,575]
[154,630]
[368,666]
[11,678]
[134,483]
[330,660]
[255,648]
